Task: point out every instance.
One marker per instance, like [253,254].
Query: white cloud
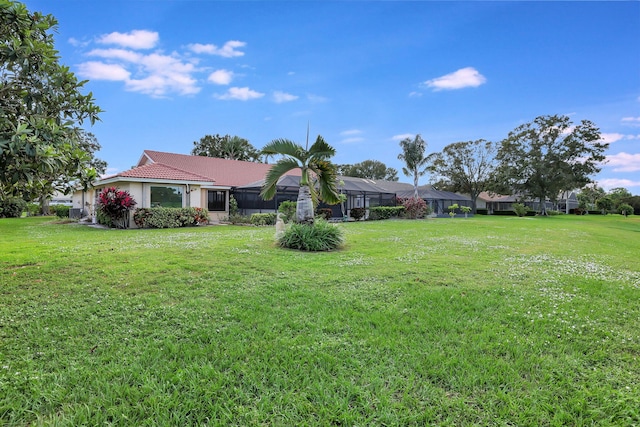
[631,121]
[464,77]
[610,183]
[101,71]
[350,132]
[615,137]
[122,54]
[280,97]
[77,43]
[611,137]
[136,39]
[624,162]
[241,94]
[415,94]
[226,51]
[402,136]
[316,98]
[154,74]
[221,77]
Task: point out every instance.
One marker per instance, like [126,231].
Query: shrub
[115,205]
[358,213]
[385,212]
[482,211]
[288,210]
[415,207]
[233,206]
[318,236]
[625,209]
[12,207]
[325,213]
[170,217]
[520,209]
[33,209]
[239,219]
[263,219]
[61,211]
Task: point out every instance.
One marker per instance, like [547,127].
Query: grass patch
[479,321]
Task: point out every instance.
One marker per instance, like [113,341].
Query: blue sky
[363,74]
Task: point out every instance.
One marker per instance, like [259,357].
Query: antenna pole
[307,148]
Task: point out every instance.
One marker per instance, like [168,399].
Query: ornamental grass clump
[114,206]
[315,237]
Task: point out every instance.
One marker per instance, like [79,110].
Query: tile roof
[223,171]
[162,171]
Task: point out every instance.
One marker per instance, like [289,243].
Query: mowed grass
[479,321]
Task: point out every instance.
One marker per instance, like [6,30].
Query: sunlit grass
[485,321]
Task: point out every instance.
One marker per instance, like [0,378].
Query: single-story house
[180,180]
[496,202]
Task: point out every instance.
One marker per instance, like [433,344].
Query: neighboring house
[439,201]
[497,202]
[180,180]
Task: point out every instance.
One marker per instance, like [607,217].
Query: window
[166,197]
[216,200]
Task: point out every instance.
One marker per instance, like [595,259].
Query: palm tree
[312,160]
[414,159]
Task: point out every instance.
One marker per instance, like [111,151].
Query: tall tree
[465,167]
[617,196]
[549,155]
[226,147]
[588,196]
[414,158]
[41,104]
[369,169]
[316,169]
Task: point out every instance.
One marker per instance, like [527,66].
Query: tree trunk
[543,206]
[415,184]
[304,207]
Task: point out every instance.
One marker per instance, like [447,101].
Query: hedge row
[385,212]
[170,217]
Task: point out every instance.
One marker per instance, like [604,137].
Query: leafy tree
[465,167]
[41,104]
[634,202]
[226,147]
[625,209]
[315,167]
[82,169]
[369,169]
[617,195]
[605,204]
[542,158]
[414,159]
[588,195]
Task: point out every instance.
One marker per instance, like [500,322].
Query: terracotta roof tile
[162,171]
[223,171]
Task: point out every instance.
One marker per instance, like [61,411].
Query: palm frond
[320,150]
[327,178]
[285,147]
[271,181]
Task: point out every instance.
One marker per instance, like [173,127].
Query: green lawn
[480,321]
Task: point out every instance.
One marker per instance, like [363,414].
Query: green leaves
[547,156]
[41,105]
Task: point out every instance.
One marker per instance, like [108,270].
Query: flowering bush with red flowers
[415,207]
[114,206]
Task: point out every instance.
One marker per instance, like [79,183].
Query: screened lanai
[360,192]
